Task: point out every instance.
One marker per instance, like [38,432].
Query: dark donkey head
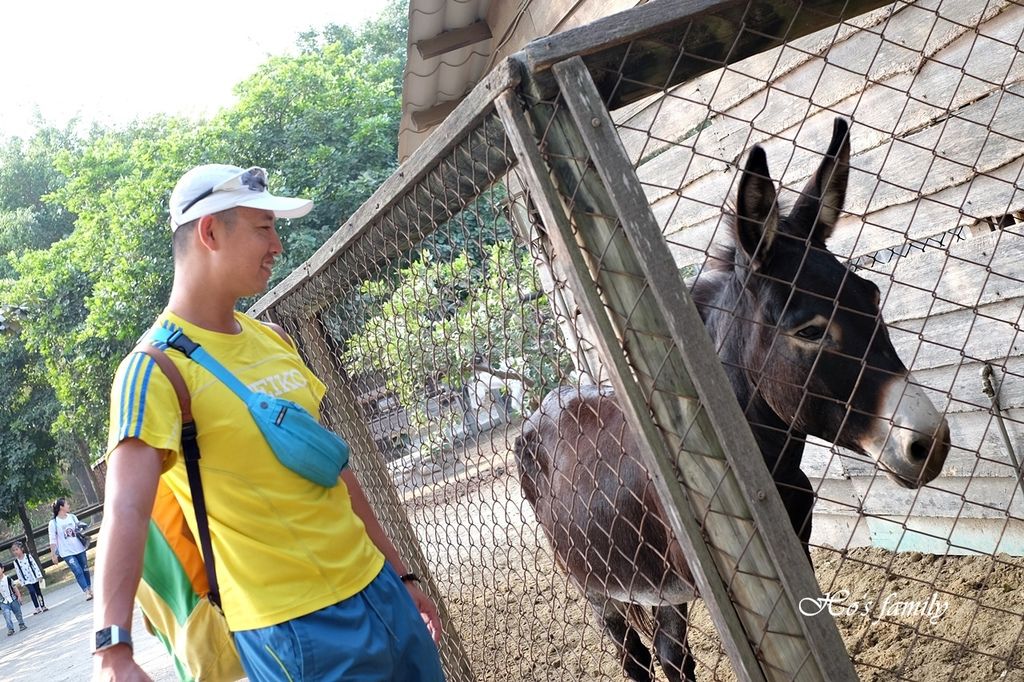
[802,337]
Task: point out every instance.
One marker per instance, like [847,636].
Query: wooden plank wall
[935,90]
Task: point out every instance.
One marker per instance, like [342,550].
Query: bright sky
[117,60]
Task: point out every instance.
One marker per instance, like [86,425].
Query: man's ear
[206,235]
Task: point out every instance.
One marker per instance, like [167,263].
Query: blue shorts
[374,636]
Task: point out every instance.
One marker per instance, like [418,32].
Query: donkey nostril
[919,450]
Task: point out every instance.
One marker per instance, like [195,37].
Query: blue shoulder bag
[298,440]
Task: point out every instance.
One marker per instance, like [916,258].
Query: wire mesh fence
[537,410]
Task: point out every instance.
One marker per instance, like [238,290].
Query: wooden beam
[655,46]
[550,205]
[452,40]
[428,118]
[708,423]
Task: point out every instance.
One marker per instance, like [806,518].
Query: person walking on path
[29,575]
[10,602]
[64,544]
[311,586]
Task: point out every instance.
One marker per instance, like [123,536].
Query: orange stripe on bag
[168,517]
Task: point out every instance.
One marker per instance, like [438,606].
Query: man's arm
[133,471]
[361,506]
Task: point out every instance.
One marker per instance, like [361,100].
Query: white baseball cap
[216,187]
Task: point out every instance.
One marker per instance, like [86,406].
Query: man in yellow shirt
[309,581]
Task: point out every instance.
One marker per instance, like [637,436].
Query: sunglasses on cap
[254,179]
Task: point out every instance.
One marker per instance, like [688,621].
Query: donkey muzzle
[910,440]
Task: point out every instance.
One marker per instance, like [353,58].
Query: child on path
[10,601]
[29,575]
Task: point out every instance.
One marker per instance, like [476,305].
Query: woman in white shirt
[64,544]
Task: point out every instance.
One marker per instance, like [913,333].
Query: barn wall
[938,117]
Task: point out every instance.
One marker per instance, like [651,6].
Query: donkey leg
[633,654]
[670,643]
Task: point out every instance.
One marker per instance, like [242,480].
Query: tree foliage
[326,122]
[31,456]
[440,319]
[29,468]
[27,175]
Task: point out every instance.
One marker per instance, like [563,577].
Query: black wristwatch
[112,636]
[409,578]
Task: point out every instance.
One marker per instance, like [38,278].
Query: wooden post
[710,413]
[756,617]
[342,414]
[658,463]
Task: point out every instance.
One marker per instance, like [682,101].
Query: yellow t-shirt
[284,546]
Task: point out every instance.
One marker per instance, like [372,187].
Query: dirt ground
[902,616]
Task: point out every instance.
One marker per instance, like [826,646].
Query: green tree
[30,471]
[325,121]
[90,294]
[28,175]
[438,321]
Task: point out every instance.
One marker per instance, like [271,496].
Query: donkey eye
[812,332]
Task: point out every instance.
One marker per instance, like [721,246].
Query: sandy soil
[520,619]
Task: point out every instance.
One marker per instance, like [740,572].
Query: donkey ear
[815,213]
[757,213]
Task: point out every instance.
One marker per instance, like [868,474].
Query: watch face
[103,638]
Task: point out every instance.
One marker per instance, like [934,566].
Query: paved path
[57,645]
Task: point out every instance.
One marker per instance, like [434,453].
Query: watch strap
[110,636]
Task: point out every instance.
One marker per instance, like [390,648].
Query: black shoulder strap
[190,450]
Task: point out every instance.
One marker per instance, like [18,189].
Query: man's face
[252,246]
